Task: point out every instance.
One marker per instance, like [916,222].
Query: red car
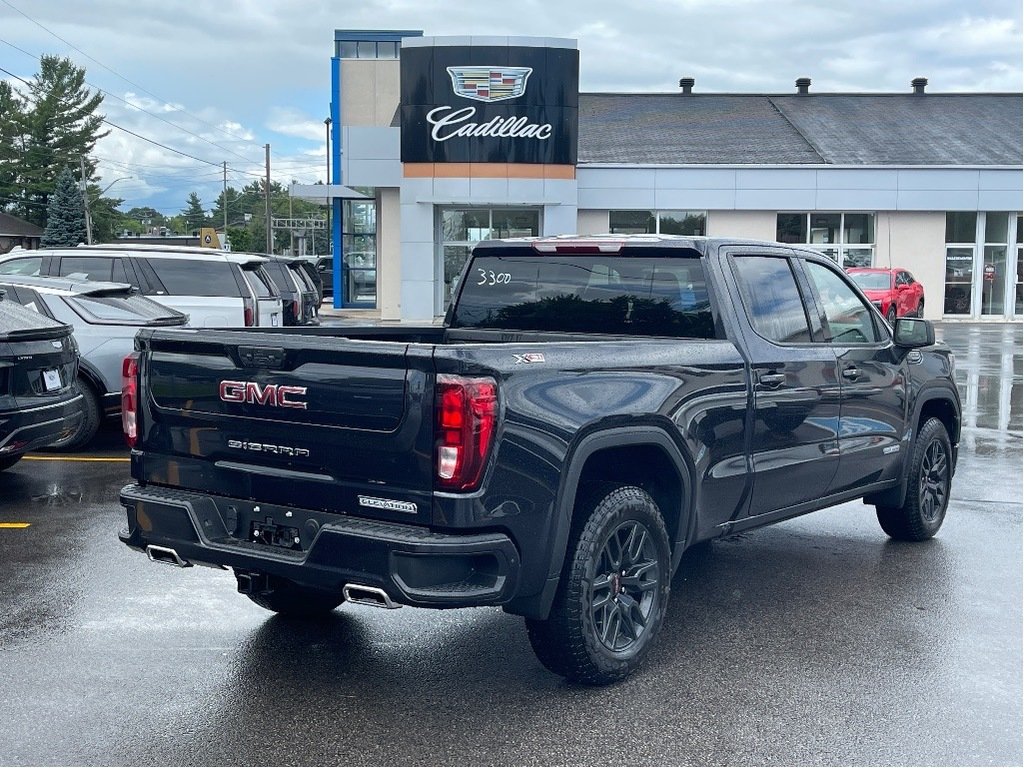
[894,291]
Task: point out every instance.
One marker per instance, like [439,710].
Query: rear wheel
[91,416]
[891,316]
[613,593]
[290,599]
[931,472]
[6,462]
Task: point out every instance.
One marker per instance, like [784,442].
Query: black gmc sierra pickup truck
[591,407]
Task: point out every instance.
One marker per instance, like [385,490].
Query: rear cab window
[651,292]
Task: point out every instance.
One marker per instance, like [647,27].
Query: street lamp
[330,202]
[88,214]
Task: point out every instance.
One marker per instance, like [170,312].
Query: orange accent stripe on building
[487,171]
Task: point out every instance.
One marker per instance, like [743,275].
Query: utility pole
[85,199]
[270,231]
[225,198]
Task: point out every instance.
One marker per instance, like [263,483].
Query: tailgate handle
[261,357]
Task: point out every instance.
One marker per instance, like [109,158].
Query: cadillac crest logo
[489,83]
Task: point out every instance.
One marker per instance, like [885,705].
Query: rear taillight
[130,399]
[467,413]
[250,312]
[297,309]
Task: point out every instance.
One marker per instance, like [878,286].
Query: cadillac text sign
[489,104]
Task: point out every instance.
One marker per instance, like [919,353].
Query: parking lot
[818,641]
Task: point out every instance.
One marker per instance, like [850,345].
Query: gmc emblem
[269,394]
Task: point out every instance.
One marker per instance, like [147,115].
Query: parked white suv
[214,288]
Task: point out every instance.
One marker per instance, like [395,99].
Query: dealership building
[440,142]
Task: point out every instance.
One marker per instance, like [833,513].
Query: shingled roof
[12,226]
[832,129]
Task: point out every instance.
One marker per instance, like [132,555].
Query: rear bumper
[30,428]
[413,565]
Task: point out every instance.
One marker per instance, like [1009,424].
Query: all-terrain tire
[614,589]
[290,599]
[928,486]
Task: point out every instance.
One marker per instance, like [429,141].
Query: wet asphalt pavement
[816,641]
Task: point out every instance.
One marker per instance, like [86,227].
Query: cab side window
[850,320]
[772,300]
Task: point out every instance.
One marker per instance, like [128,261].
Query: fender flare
[895,497]
[579,454]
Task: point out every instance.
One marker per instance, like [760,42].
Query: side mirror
[902,287]
[911,332]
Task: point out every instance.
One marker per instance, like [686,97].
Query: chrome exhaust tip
[166,555]
[363,595]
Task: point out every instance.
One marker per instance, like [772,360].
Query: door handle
[852,373]
[771,380]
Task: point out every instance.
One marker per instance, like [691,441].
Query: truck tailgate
[321,423]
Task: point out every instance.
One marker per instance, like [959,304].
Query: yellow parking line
[15,525]
[123,459]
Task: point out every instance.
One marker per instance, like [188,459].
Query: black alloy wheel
[928,487]
[623,592]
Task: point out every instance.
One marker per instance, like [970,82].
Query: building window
[1018,307]
[359,250]
[961,232]
[462,228]
[846,238]
[366,49]
[993,276]
[657,222]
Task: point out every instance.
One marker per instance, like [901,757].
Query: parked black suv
[39,401]
[300,300]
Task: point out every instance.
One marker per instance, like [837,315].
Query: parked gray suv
[105,318]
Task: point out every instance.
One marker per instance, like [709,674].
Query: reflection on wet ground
[988,373]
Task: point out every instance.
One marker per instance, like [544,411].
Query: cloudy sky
[218,79]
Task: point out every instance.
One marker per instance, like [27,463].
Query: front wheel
[931,473]
[613,593]
[891,316]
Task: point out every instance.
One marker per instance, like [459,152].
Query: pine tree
[194,212]
[12,144]
[61,127]
[65,214]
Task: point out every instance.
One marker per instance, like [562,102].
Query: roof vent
[919,83]
[803,85]
[687,84]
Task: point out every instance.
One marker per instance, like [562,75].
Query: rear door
[317,422]
[794,448]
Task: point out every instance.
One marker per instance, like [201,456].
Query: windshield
[632,295]
[871,281]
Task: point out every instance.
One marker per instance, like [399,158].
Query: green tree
[107,221]
[194,213]
[65,214]
[61,127]
[12,144]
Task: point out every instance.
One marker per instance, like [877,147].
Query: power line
[117,74]
[141,109]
